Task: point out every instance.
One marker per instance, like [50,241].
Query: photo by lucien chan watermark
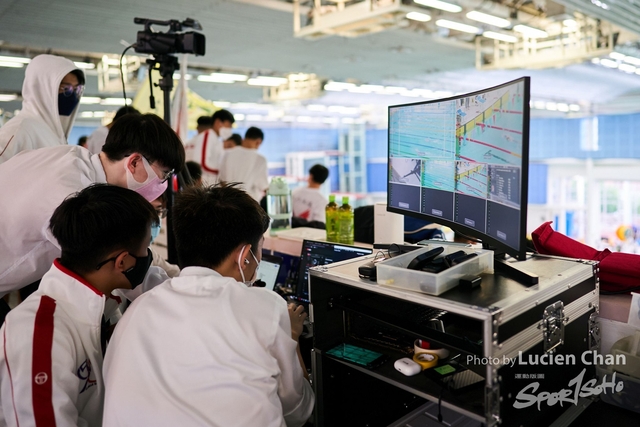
[576,387]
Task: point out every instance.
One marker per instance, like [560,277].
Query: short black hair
[82,139]
[319,173]
[102,218]
[79,75]
[195,170]
[148,135]
[209,223]
[237,139]
[223,116]
[123,111]
[254,133]
[205,121]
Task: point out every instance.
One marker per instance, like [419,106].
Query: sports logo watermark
[576,388]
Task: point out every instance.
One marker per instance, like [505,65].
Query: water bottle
[279,205]
[345,222]
[331,219]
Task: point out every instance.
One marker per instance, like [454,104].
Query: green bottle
[345,222]
[331,219]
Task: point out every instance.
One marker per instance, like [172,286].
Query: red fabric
[6,361]
[203,163]
[41,378]
[618,271]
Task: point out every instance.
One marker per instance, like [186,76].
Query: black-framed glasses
[99,266]
[68,89]
[165,175]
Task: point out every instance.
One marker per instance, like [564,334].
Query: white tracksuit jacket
[51,354]
[204,350]
[205,149]
[33,184]
[38,124]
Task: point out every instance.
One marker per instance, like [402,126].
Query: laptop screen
[269,268]
[321,253]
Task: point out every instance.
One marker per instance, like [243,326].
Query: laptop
[316,253]
[269,269]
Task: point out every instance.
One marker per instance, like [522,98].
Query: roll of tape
[426,360]
[442,353]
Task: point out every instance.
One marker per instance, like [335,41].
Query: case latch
[553,326]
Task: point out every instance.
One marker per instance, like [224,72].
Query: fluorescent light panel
[488,19]
[85,65]
[15,59]
[267,81]
[499,36]
[437,4]
[8,97]
[530,32]
[457,26]
[11,64]
[417,16]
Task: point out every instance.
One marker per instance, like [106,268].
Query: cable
[124,93]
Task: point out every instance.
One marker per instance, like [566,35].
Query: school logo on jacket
[84,373]
[41,378]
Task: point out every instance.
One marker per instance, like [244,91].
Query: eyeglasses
[167,175]
[162,212]
[99,266]
[68,89]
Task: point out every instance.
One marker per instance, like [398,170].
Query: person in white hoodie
[51,93]
[52,344]
[141,153]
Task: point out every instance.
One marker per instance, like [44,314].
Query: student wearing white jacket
[206,148]
[52,344]
[51,93]
[140,153]
[205,348]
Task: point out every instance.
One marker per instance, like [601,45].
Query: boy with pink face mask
[141,153]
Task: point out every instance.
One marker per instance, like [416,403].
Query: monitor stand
[501,265]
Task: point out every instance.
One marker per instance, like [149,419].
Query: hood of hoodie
[40,91]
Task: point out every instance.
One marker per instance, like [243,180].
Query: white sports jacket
[205,149]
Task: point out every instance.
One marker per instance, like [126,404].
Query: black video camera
[173,41]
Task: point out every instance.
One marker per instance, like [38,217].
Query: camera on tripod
[173,41]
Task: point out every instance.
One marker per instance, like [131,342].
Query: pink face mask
[151,188]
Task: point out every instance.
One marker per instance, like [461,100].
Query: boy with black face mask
[52,344]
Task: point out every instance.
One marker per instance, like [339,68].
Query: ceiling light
[7,97]
[499,36]
[394,89]
[90,100]
[532,33]
[215,79]
[303,119]
[617,55]
[316,107]
[627,68]
[231,76]
[417,16]
[115,101]
[15,59]
[632,60]
[338,86]
[488,19]
[574,107]
[348,120]
[222,104]
[563,107]
[85,65]
[176,76]
[538,105]
[608,63]
[267,81]
[99,114]
[437,4]
[11,64]
[595,61]
[330,120]
[238,116]
[86,114]
[457,26]
[571,23]
[254,117]
[551,106]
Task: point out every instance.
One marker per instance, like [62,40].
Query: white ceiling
[257,36]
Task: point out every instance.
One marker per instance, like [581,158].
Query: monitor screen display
[322,253]
[463,162]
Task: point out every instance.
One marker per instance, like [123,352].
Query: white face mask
[225,133]
[249,282]
[151,188]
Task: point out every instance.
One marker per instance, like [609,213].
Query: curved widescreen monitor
[463,162]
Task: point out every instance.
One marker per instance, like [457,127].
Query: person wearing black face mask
[57,335]
[51,92]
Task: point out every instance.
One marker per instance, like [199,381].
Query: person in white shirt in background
[233,141]
[98,137]
[51,93]
[308,202]
[140,154]
[52,344]
[243,164]
[206,148]
[207,348]
[204,123]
